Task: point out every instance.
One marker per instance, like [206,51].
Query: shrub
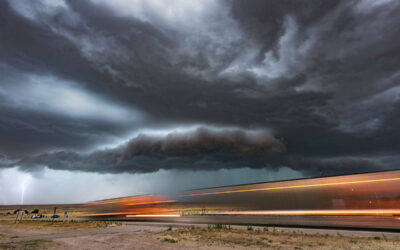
[170,240]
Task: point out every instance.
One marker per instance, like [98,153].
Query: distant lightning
[24,184]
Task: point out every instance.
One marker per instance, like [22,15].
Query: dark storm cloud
[197,149]
[322,76]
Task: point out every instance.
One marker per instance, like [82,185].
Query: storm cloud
[308,85]
[197,149]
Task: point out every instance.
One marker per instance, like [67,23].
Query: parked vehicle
[55,216]
[37,216]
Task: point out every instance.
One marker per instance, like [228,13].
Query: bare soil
[143,236]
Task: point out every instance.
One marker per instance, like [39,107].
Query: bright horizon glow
[48,186]
[42,94]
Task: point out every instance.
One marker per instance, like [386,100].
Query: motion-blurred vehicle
[368,200]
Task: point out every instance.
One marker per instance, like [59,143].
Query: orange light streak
[105,214]
[148,203]
[152,215]
[310,212]
[136,200]
[292,187]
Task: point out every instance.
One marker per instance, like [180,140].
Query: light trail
[152,215]
[368,200]
[133,201]
[148,203]
[381,212]
[109,214]
[292,187]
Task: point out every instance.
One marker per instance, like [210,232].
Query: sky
[108,98]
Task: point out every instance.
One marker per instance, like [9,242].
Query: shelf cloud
[311,86]
[200,148]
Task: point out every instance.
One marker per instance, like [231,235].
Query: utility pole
[18,212]
[22,215]
[16,217]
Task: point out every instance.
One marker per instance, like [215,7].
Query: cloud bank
[196,149]
[321,79]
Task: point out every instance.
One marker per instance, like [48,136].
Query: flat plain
[77,233]
[30,234]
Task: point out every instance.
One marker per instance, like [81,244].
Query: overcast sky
[124,97]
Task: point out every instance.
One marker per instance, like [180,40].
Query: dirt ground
[89,235]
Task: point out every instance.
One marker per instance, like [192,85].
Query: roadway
[374,223]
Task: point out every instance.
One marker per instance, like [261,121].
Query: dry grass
[74,211]
[49,226]
[213,237]
[4,237]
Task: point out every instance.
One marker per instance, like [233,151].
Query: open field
[89,235]
[74,210]
[217,237]
[57,225]
[76,233]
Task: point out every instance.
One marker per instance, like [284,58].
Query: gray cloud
[195,149]
[322,76]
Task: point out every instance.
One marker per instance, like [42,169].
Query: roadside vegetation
[221,236]
[44,210]
[58,225]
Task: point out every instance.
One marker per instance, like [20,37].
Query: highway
[375,223]
[368,201]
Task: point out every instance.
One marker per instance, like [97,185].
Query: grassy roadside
[4,237]
[220,236]
[57,225]
[75,211]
